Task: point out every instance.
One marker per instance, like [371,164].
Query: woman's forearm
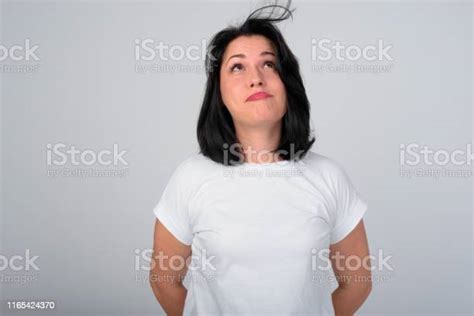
[347,299]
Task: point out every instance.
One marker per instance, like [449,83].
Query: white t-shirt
[259,233]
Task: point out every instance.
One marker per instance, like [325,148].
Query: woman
[242,225]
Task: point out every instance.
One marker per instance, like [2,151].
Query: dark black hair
[215,127]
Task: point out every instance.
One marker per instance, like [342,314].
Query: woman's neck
[259,144]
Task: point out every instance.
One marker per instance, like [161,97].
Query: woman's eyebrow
[264,53]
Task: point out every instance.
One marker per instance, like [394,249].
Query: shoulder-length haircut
[215,127]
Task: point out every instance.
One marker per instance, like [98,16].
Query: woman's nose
[256,79]
[256,82]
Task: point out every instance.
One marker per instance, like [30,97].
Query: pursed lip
[258,96]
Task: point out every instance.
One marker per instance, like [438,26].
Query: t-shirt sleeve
[172,209]
[349,205]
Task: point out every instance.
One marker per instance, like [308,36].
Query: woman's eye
[271,64]
[236,67]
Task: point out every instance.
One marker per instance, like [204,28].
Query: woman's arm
[354,284]
[165,281]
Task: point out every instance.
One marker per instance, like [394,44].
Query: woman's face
[250,85]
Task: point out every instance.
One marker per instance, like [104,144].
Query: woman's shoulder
[195,164]
[322,164]
[319,160]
